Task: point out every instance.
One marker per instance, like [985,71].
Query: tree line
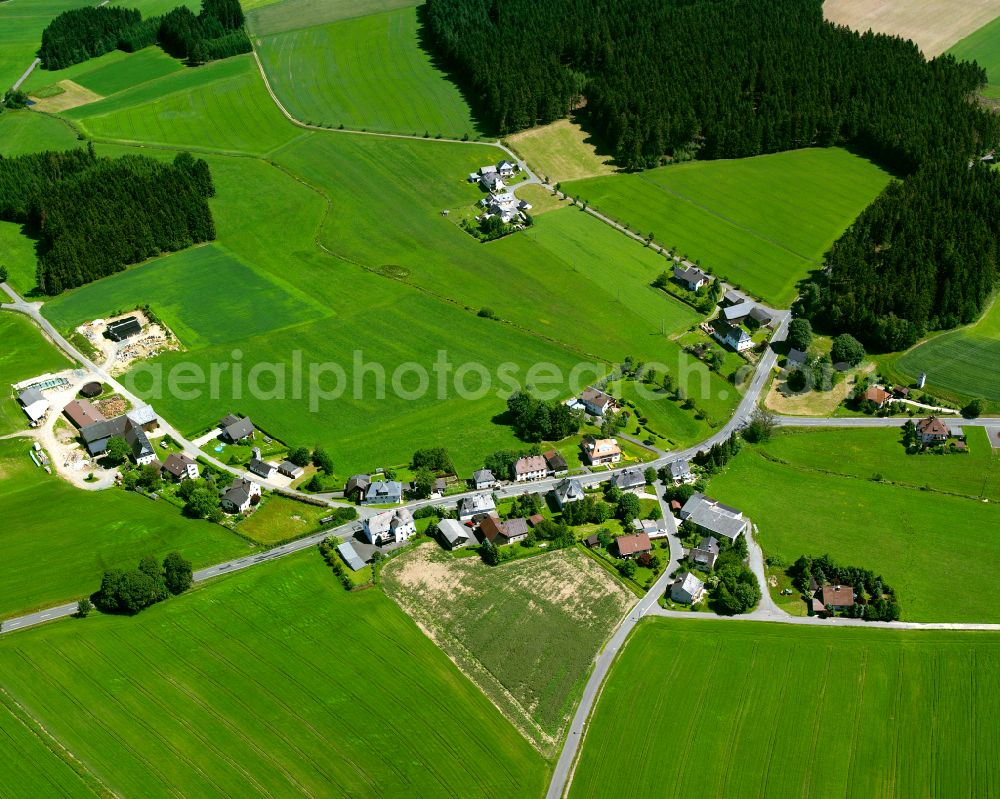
[94,216]
[131,590]
[754,77]
[83,33]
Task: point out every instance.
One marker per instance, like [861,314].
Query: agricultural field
[365,73]
[64,538]
[27,132]
[983,47]
[220,106]
[25,354]
[526,632]
[267,17]
[267,683]
[21,25]
[935,25]
[779,710]
[866,453]
[560,151]
[960,363]
[909,536]
[763,223]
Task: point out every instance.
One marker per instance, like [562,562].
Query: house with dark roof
[556,463]
[795,357]
[82,413]
[567,491]
[454,534]
[687,589]
[932,431]
[735,338]
[483,479]
[761,315]
[476,505]
[680,472]
[240,496]
[691,277]
[733,297]
[179,467]
[236,429]
[713,517]
[706,553]
[629,546]
[260,468]
[96,436]
[384,492]
[356,487]
[630,480]
[123,329]
[289,469]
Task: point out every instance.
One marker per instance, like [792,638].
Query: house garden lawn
[866,453]
[265,17]
[783,710]
[279,519]
[910,537]
[365,73]
[261,684]
[25,354]
[59,539]
[959,364]
[560,151]
[763,223]
[219,106]
[21,25]
[525,631]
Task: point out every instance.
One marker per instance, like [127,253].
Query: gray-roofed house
[567,491]
[34,404]
[533,467]
[180,467]
[240,496]
[630,480]
[259,467]
[484,479]
[350,555]
[476,505]
[96,437]
[289,469]
[389,527]
[737,313]
[713,517]
[692,277]
[688,590]
[506,169]
[733,297]
[384,492]
[453,534]
[236,429]
[735,337]
[796,357]
[706,553]
[680,472]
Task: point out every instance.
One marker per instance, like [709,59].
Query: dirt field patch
[525,632]
[560,151]
[935,25]
[73,95]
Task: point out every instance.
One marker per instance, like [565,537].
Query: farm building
[389,527]
[733,297]
[357,486]
[34,404]
[629,546]
[556,463]
[734,314]
[350,556]
[453,534]
[713,517]
[123,329]
[81,413]
[289,469]
[762,316]
[688,590]
[240,496]
[96,436]
[179,467]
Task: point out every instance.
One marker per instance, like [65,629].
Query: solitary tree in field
[83,608]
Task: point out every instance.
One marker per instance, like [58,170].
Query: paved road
[27,72]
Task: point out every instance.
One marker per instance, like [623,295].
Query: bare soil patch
[72,96]
[935,25]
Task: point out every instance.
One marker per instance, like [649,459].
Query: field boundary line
[27,720]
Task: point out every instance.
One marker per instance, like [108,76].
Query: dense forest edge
[84,33]
[94,216]
[755,77]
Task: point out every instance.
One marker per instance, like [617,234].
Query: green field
[28,132]
[983,47]
[763,223]
[963,362]
[525,631]
[369,73]
[220,106]
[60,539]
[665,417]
[738,709]
[273,682]
[911,537]
[865,453]
[25,354]
[21,25]
[266,17]
[132,70]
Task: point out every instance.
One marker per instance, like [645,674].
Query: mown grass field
[961,363]
[560,151]
[866,453]
[27,132]
[219,106]
[272,682]
[983,47]
[60,539]
[911,537]
[369,72]
[265,17]
[723,709]
[280,519]
[762,223]
[25,353]
[21,25]
[526,631]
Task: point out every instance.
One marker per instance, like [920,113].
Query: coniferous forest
[663,80]
[83,33]
[94,216]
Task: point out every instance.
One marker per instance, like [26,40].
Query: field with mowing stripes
[25,354]
[983,47]
[220,106]
[763,222]
[911,537]
[759,710]
[64,538]
[962,362]
[273,682]
[266,17]
[369,72]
